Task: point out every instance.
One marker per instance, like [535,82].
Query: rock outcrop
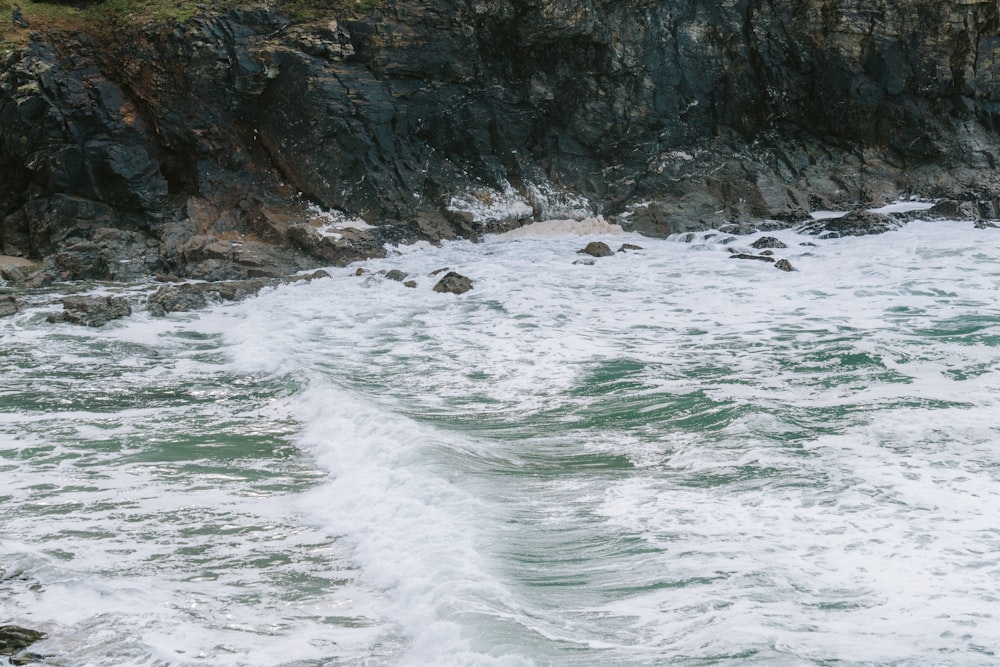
[202,149]
[453,283]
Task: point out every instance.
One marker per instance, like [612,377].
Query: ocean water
[668,457]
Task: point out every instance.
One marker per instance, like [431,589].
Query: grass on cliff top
[108,15]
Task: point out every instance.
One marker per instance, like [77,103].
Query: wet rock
[8,305]
[14,638]
[986,224]
[453,283]
[784,265]
[439,271]
[597,249]
[12,274]
[629,246]
[744,255]
[195,296]
[410,283]
[856,223]
[92,311]
[396,274]
[808,244]
[40,279]
[767,253]
[587,261]
[767,242]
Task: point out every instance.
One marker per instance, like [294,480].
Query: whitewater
[665,457]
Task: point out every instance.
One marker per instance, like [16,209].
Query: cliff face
[194,148]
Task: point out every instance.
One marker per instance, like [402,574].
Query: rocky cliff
[245,143]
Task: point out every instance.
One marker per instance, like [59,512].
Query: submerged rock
[856,223]
[629,246]
[744,255]
[8,305]
[14,638]
[597,249]
[195,296]
[92,311]
[454,283]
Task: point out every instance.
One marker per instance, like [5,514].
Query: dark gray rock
[597,249]
[12,274]
[784,265]
[629,246]
[184,297]
[14,638]
[8,305]
[453,283]
[396,274]
[856,223]
[92,311]
[744,255]
[767,242]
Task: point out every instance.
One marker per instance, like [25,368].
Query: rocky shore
[248,143]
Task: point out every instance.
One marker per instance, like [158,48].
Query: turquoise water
[668,457]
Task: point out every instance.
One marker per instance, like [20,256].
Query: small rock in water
[985,224]
[410,283]
[396,275]
[361,271]
[588,261]
[597,249]
[743,255]
[455,283]
[808,244]
[92,311]
[629,246]
[8,305]
[14,638]
[437,271]
[784,265]
[766,253]
[767,242]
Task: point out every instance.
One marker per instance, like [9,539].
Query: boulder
[767,242]
[597,249]
[92,311]
[784,265]
[8,305]
[856,223]
[396,274]
[454,283]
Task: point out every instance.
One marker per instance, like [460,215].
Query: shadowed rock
[784,265]
[767,242]
[597,249]
[14,638]
[8,305]
[454,283]
[856,223]
[91,311]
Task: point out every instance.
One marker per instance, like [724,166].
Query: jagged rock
[195,296]
[986,224]
[439,271]
[14,638]
[40,279]
[454,283]
[91,311]
[393,111]
[744,255]
[767,242]
[629,246]
[784,265]
[856,223]
[8,305]
[597,249]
